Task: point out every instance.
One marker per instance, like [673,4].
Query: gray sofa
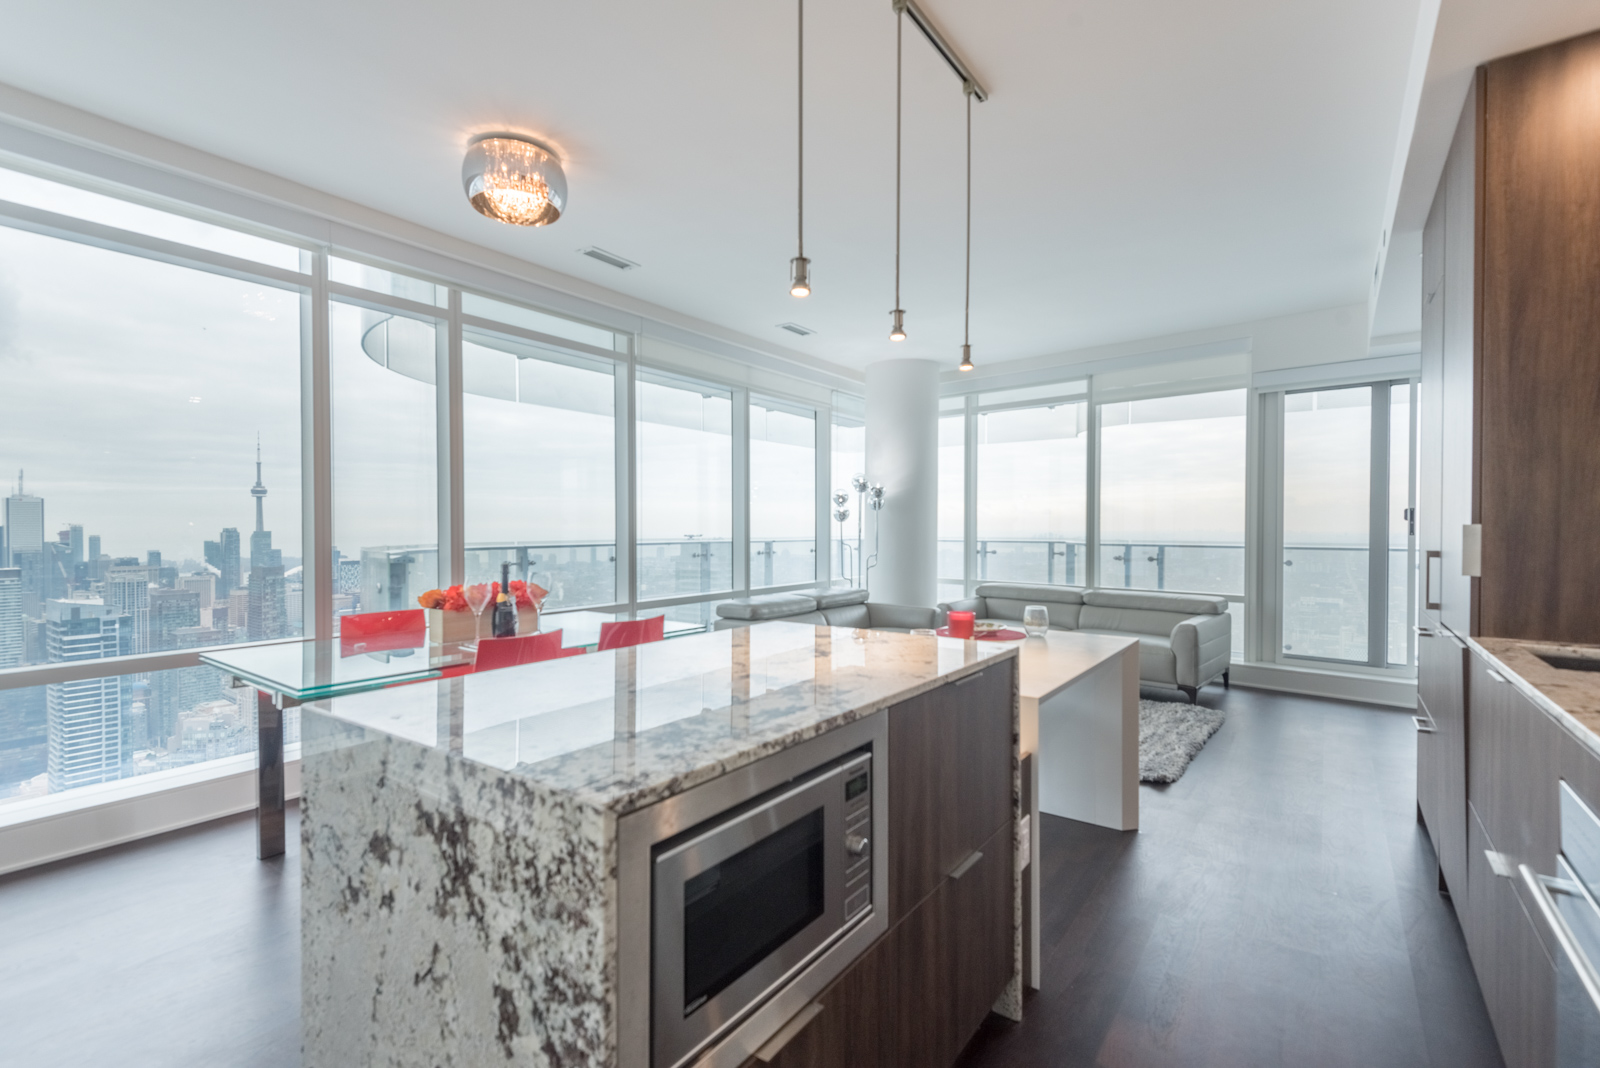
[1185,641]
[824,608]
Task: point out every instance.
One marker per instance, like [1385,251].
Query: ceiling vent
[796,328]
[610,259]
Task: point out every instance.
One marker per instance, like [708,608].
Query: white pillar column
[903,456]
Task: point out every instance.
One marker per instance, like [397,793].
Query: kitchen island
[466,895]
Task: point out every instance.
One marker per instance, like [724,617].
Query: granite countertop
[1573,697]
[621,729]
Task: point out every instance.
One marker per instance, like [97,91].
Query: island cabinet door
[950,778]
[856,1023]
[1513,780]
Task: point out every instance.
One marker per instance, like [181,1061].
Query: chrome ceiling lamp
[800,267]
[897,331]
[966,313]
[514,180]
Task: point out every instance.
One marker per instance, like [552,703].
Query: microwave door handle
[1538,886]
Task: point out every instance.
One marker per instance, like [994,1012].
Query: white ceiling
[1142,167]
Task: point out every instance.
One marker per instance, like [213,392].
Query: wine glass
[477,596]
[1036,620]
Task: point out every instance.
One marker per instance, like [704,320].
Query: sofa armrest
[902,617]
[1203,646]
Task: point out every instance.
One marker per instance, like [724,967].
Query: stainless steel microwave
[743,903]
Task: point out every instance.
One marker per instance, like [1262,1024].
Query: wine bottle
[504,623]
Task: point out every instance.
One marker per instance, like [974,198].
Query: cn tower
[258,491]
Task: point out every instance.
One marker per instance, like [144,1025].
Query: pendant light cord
[966,315]
[800,126]
[899,38]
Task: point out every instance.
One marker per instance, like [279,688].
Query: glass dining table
[287,674]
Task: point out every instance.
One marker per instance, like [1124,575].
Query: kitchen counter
[460,847]
[1571,697]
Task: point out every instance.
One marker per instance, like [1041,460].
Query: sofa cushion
[767,606]
[1031,593]
[848,615]
[1185,604]
[1157,662]
[838,597]
[1130,620]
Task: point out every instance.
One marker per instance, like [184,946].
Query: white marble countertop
[1572,698]
[621,729]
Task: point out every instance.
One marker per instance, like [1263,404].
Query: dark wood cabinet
[919,993]
[949,780]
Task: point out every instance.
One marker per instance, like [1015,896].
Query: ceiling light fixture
[800,267]
[966,313]
[897,332]
[515,180]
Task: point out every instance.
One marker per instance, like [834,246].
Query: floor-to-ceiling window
[151,499]
[1346,486]
[952,498]
[849,462]
[685,486]
[539,435]
[1032,485]
[783,493]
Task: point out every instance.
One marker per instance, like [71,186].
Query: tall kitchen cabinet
[1508,495]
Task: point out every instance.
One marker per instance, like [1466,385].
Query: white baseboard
[39,830]
[1346,686]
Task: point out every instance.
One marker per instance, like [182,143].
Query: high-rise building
[128,591]
[23,518]
[96,568]
[75,542]
[268,612]
[203,584]
[10,617]
[85,717]
[238,609]
[230,575]
[171,611]
[152,559]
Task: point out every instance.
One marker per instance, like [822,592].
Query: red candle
[961,624]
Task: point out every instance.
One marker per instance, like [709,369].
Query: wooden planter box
[448,627]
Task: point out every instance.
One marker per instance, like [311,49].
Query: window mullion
[316,454]
[741,489]
[1378,532]
[450,435]
[1091,566]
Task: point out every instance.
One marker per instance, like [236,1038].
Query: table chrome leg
[269,778]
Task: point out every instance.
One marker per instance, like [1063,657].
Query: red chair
[376,632]
[632,632]
[496,653]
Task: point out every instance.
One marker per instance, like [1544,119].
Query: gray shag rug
[1170,734]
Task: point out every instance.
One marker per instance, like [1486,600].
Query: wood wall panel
[1539,399]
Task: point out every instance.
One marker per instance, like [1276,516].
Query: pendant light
[966,313]
[800,267]
[898,331]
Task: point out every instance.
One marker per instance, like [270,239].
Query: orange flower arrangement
[527,594]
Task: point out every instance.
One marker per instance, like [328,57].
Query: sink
[1570,663]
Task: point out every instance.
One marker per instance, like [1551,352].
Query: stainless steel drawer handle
[1423,726]
[1424,632]
[974,677]
[1495,675]
[966,865]
[1539,886]
[769,1053]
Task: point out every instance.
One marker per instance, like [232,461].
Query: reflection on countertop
[1574,693]
[624,728]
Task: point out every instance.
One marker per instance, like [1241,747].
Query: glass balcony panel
[1327,472]
[685,480]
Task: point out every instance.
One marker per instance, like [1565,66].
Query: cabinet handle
[1539,886]
[1423,726]
[1424,632]
[1429,556]
[975,676]
[769,1053]
[1495,675]
[966,865]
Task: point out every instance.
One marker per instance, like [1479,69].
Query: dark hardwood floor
[1279,907]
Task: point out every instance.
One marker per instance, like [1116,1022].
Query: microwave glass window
[739,911]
